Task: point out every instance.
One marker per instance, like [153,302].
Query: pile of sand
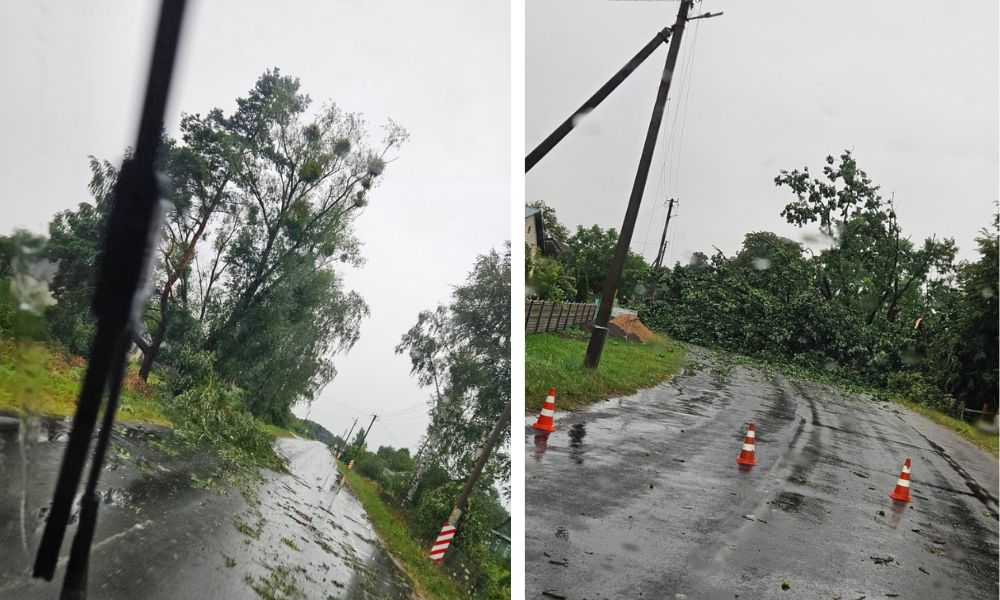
[631,328]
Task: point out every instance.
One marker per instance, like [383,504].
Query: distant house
[536,238]
[499,541]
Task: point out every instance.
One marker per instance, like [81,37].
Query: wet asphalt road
[167,530]
[641,497]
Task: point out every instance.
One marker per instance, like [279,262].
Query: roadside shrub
[913,386]
[369,465]
[396,486]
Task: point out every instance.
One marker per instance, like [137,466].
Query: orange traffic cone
[545,422]
[746,454]
[902,491]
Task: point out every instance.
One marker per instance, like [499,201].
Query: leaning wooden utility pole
[347,439]
[451,525]
[663,239]
[365,436]
[613,278]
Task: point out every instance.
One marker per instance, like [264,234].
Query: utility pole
[358,445]
[422,464]
[481,457]
[347,438]
[600,330]
[663,239]
[365,436]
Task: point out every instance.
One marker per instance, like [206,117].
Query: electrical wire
[421,404]
[392,437]
[687,97]
[345,406]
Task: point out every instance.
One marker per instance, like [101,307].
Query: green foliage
[462,351]
[216,414]
[589,259]
[548,279]
[553,228]
[913,386]
[402,542]
[74,243]
[278,315]
[281,347]
[873,307]
[433,509]
[962,347]
[370,465]
[25,275]
[397,460]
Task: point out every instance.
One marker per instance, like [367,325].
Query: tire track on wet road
[641,495]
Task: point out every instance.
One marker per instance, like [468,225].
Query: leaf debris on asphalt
[881,561]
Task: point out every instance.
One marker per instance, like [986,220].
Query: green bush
[216,414]
[369,465]
[915,387]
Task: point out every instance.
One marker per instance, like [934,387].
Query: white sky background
[74,74]
[911,87]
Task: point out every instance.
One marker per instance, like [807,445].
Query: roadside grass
[987,441]
[277,431]
[431,581]
[43,381]
[556,360]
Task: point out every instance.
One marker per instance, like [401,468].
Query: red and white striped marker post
[350,465]
[442,542]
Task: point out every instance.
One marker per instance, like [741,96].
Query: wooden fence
[541,315]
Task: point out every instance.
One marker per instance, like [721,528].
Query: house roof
[559,245]
[529,211]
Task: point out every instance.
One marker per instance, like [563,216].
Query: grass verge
[277,431]
[556,360]
[430,581]
[37,379]
[987,441]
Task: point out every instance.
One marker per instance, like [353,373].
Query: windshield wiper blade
[134,226]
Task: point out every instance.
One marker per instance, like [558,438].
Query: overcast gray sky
[911,87]
[74,73]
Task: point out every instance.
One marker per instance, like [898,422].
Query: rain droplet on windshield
[987,292]
[761,264]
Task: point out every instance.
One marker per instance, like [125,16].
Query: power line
[345,406]
[421,404]
[687,97]
[392,437]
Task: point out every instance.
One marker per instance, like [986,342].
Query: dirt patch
[631,328]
